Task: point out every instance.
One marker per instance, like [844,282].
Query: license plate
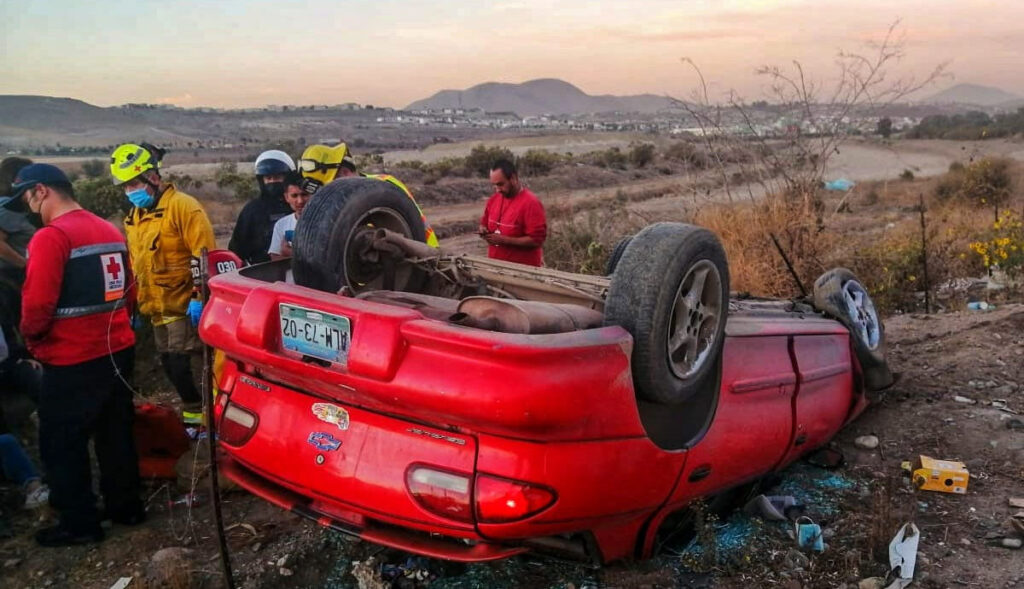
[315,333]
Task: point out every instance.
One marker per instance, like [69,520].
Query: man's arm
[196,230]
[48,254]
[8,254]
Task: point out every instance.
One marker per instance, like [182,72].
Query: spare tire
[839,294]
[670,290]
[325,257]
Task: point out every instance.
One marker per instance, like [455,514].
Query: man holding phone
[514,224]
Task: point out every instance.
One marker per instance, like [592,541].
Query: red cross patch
[113,276]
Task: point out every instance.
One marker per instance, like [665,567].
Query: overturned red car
[470,409]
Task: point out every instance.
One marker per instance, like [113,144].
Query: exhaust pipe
[387,240]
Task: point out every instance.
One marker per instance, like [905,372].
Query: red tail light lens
[441,492]
[237,425]
[501,500]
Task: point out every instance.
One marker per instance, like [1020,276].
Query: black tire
[337,213]
[670,290]
[839,294]
[613,259]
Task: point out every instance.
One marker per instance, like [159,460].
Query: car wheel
[839,294]
[613,259]
[670,290]
[334,226]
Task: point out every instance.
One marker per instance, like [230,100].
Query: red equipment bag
[160,439]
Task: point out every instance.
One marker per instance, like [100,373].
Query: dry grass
[755,265]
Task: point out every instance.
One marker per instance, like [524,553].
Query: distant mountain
[48,112]
[538,97]
[973,94]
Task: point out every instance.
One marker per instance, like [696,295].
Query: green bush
[641,154]
[907,175]
[986,181]
[482,157]
[94,168]
[100,196]
[242,186]
[538,162]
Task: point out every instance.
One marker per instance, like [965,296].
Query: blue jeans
[16,465]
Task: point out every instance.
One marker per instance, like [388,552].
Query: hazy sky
[391,52]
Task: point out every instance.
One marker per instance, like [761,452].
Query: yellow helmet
[132,159]
[319,165]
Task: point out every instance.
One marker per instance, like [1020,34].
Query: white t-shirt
[283,225]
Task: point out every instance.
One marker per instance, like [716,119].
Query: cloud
[185,99]
[677,36]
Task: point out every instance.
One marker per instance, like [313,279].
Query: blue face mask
[140,198]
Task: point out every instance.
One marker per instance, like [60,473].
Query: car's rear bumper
[369,528]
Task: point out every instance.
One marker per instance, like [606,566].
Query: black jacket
[254,228]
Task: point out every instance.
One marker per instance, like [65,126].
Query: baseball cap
[28,177]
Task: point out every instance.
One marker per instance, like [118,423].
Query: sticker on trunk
[331,414]
[324,441]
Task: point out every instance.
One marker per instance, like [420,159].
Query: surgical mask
[140,197]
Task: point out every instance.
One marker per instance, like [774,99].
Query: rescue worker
[15,232]
[75,320]
[251,236]
[321,165]
[166,229]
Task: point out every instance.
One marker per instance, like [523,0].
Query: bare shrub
[582,242]
[641,154]
[687,153]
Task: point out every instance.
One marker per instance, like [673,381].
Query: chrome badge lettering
[436,436]
[331,414]
[254,384]
[324,441]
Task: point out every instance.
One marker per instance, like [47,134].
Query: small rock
[866,442]
[256,547]
[965,541]
[1015,423]
[282,561]
[1014,543]
[965,400]
[10,563]
[285,572]
[871,583]
[796,560]
[169,554]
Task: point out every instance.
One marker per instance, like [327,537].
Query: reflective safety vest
[431,239]
[94,280]
[78,291]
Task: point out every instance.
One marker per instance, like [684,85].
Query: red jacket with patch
[78,291]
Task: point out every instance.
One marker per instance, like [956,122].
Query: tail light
[501,500]
[441,492]
[221,401]
[237,425]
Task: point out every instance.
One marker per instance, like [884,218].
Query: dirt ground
[978,355]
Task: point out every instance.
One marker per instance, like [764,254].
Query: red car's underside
[467,444]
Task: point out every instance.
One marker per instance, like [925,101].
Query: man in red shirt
[513,224]
[74,319]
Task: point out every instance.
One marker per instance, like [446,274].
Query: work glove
[194,311]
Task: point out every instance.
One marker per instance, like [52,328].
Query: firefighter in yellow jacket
[166,230]
[321,165]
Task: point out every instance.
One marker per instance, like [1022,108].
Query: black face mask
[273,191]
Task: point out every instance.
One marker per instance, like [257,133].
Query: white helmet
[274,161]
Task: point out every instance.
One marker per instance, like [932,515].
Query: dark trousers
[76,403]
